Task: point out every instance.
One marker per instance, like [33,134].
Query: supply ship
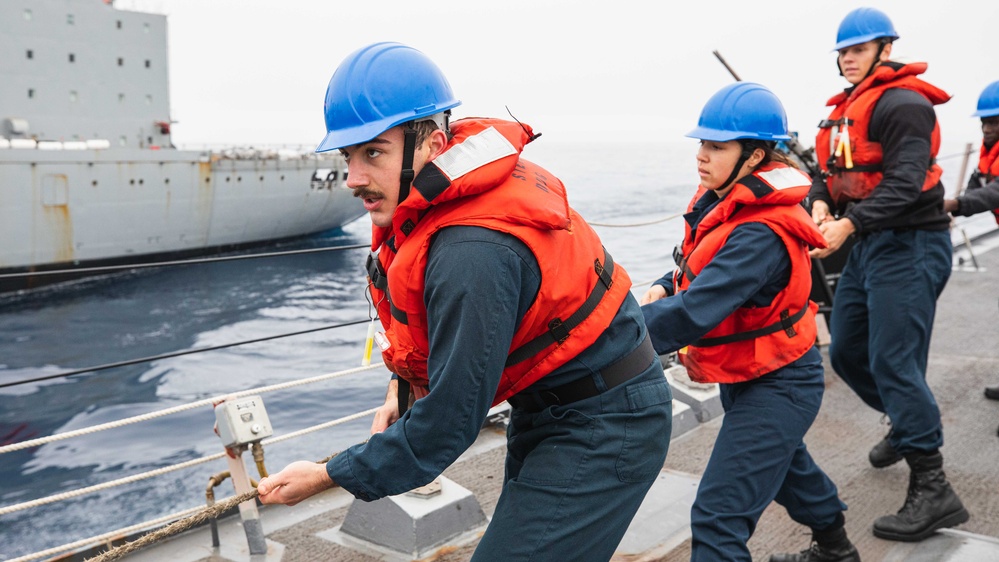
[89,174]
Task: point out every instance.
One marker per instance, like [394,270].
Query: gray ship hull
[70,208]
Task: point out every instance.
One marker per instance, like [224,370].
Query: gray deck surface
[964,359]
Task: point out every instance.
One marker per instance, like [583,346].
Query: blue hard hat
[378,87]
[863,25]
[744,110]
[988,102]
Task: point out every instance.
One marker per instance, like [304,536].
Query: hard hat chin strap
[408,154]
[747,151]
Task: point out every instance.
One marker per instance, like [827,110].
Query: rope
[107,537]
[177,354]
[668,218]
[108,268]
[110,484]
[176,409]
[180,526]
[172,468]
[205,515]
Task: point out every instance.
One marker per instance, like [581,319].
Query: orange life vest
[752,342]
[988,162]
[480,180]
[854,110]
[988,167]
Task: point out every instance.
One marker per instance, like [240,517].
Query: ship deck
[964,358]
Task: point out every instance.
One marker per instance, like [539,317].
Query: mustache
[365,193]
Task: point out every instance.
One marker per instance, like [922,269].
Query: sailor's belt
[619,372]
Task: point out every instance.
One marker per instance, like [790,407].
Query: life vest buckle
[678,256]
[787,324]
[558,330]
[605,277]
[376,273]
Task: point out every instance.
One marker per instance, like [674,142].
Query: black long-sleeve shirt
[903,123]
[978,198]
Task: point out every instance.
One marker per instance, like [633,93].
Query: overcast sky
[255,72]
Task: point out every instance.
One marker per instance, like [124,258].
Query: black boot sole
[885,462]
[950,520]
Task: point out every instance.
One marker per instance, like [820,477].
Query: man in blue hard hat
[881,185]
[490,288]
[982,192]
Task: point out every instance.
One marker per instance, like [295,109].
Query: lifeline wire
[173,468]
[667,218]
[175,354]
[160,413]
[177,262]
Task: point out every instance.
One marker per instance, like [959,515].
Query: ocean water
[148,312]
[131,315]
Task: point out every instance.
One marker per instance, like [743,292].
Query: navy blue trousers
[880,325]
[760,456]
[576,474]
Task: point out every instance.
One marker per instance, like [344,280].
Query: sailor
[489,288]
[976,199]
[882,187]
[737,309]
[982,192]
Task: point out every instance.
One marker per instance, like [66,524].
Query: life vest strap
[681,262]
[616,374]
[380,281]
[830,123]
[558,329]
[785,323]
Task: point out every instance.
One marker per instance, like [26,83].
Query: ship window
[145,27]
[121,61]
[119,24]
[69,19]
[31,93]
[122,141]
[148,63]
[121,98]
[72,57]
[73,96]
[149,100]
[30,54]
[27,15]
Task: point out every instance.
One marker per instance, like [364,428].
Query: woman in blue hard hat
[490,288]
[881,186]
[737,310]
[982,192]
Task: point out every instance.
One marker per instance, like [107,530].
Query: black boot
[829,545]
[930,504]
[883,454]
[992,392]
